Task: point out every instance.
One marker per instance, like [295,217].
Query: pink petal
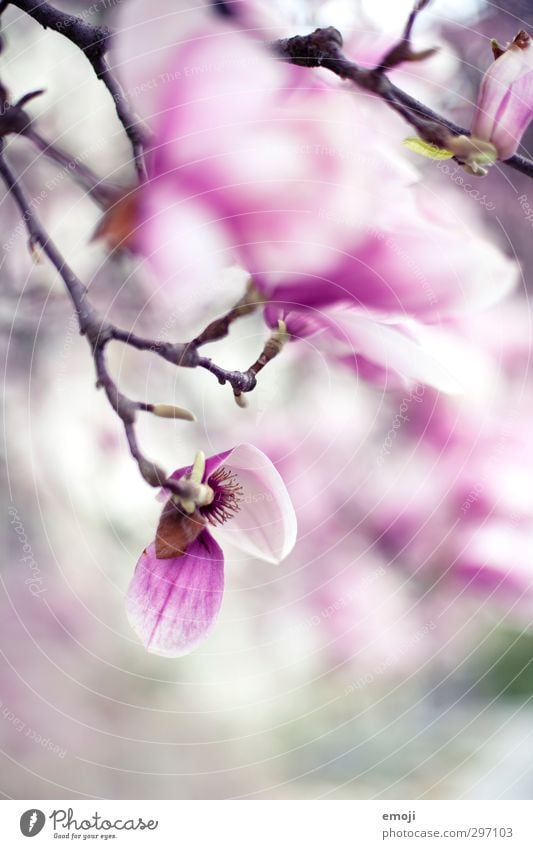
[505,102]
[243,134]
[172,604]
[214,93]
[426,354]
[145,39]
[199,256]
[265,524]
[413,264]
[514,116]
[211,465]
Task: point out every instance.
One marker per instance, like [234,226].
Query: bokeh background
[391,655]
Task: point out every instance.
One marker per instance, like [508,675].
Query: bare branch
[322,48]
[94,42]
[100,332]
[403,50]
[103,194]
[219,328]
[242,382]
[419,6]
[239,381]
[125,116]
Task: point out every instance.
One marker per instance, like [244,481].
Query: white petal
[265,524]
[428,354]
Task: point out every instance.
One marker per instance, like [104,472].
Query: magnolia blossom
[398,309]
[419,258]
[255,162]
[505,102]
[176,592]
[302,184]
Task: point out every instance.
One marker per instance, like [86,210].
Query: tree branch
[246,381]
[91,39]
[238,380]
[219,328]
[100,332]
[322,49]
[125,116]
[94,42]
[103,194]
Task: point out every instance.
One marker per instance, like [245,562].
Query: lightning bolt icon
[33,820]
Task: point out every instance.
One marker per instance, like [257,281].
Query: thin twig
[125,116]
[91,325]
[94,42]
[103,194]
[15,120]
[100,332]
[91,39]
[219,328]
[402,51]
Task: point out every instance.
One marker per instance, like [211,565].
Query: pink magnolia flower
[175,595]
[298,182]
[505,102]
[255,162]
[398,309]
[304,188]
[418,259]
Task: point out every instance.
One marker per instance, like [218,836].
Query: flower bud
[170,411]
[474,154]
[505,102]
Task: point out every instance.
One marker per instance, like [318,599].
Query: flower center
[228,494]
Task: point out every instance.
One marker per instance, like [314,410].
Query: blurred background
[391,655]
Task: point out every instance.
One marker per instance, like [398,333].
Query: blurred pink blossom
[302,184]
[346,606]
[391,353]
[285,168]
[417,258]
[453,496]
[255,162]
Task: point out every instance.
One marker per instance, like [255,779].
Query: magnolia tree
[269,157]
